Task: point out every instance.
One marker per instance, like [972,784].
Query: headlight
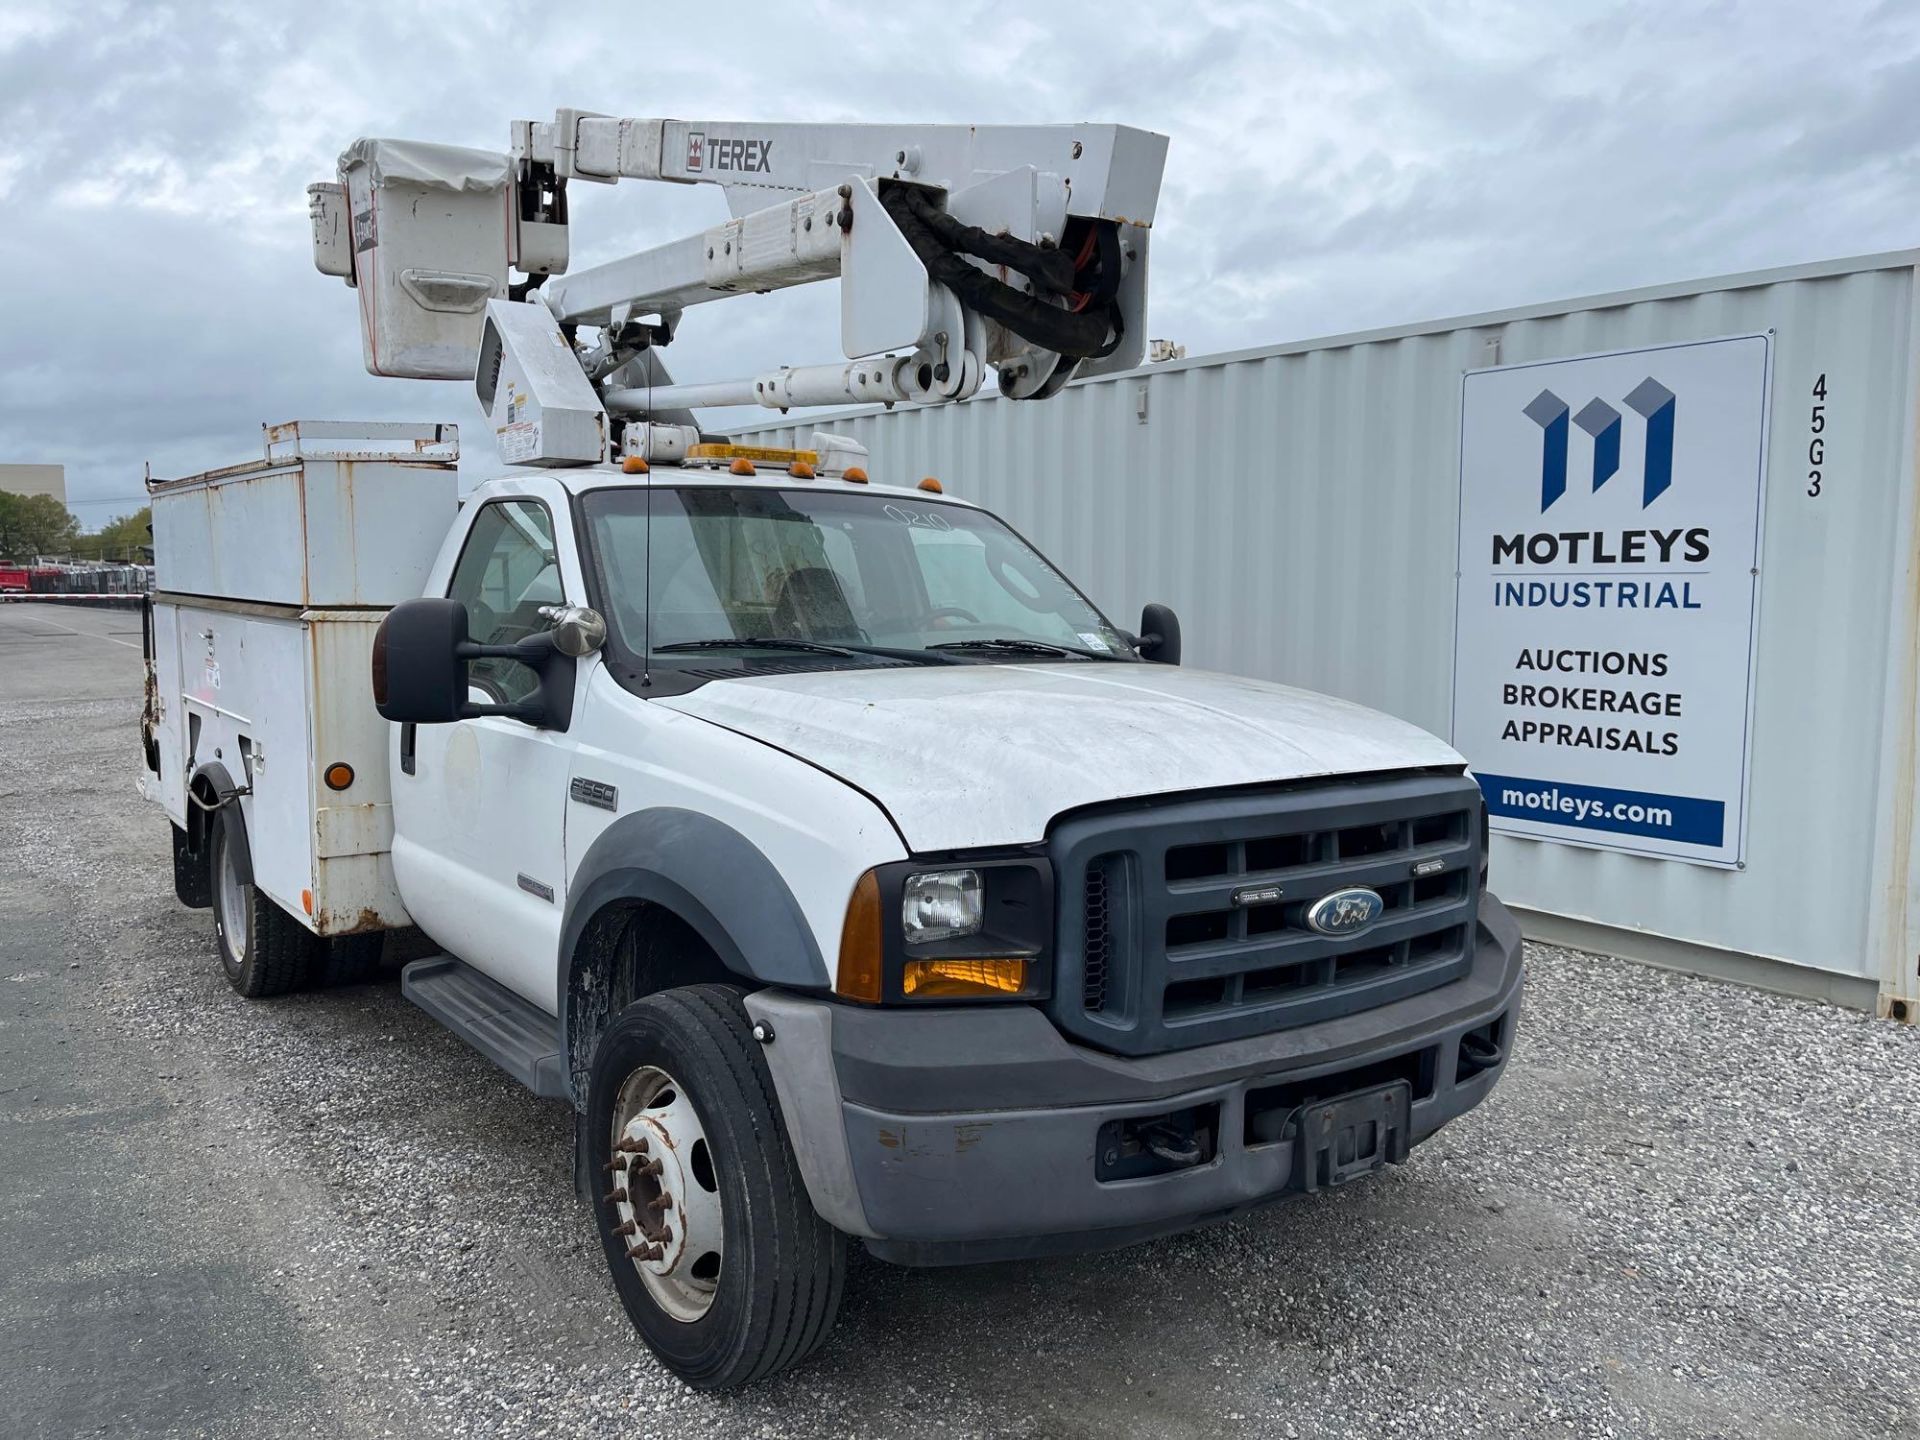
[984,932]
[940,905]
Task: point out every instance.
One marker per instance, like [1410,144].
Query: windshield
[840,578]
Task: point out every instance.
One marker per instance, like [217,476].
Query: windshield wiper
[765,642]
[811,647]
[1011,646]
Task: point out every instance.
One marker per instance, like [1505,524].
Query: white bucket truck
[844,869]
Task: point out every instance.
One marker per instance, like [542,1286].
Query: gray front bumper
[959,1134]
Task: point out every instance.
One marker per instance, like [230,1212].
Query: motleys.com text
[1582,810]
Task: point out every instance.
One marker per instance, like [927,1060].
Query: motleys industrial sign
[1608,575]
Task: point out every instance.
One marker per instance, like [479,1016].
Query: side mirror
[418,672]
[420,656]
[1159,635]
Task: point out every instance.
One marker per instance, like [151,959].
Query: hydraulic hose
[1088,332]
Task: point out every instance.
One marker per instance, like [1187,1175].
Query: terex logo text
[720,153]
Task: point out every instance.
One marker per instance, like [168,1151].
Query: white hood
[963,756]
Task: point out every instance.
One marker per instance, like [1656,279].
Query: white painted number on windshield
[925,519]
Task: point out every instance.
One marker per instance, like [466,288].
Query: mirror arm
[529,712]
[534,651]
[548,708]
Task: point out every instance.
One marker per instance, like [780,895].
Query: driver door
[484,807]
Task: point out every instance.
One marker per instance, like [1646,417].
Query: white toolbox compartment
[333,514]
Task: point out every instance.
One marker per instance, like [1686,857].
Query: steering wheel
[943,612]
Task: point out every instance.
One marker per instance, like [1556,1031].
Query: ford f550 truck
[845,870]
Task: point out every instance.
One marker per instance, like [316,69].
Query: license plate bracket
[1353,1135]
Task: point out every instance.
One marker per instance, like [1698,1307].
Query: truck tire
[263,950]
[734,1278]
[192,881]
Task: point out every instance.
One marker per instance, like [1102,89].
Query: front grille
[1180,941]
[1098,939]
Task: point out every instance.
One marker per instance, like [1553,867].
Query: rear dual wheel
[715,1249]
[263,950]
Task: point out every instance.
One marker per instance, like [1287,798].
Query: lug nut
[619,1162]
[665,1202]
[614,1197]
[644,1252]
[633,1144]
[626,1227]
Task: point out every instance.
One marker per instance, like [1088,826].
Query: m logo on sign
[696,150]
[1653,402]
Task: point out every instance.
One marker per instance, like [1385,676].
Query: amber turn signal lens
[339,775]
[859,975]
[963,979]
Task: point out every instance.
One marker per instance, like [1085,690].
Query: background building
[35,480]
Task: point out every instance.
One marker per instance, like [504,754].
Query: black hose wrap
[941,242]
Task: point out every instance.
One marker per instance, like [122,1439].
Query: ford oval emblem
[1345,912]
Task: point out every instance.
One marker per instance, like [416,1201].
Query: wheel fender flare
[709,875]
[215,774]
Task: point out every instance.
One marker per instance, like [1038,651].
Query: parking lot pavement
[1689,1210]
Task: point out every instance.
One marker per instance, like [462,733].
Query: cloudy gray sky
[1334,165]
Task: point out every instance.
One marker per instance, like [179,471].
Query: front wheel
[718,1256]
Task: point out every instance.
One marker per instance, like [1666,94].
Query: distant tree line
[125,539]
[33,525]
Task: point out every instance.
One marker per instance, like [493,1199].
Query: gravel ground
[1688,1210]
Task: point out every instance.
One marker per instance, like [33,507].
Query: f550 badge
[596,793]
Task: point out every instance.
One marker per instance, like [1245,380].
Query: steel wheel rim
[233,904]
[661,1154]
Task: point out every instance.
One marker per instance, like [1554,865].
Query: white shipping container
[1299,506]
